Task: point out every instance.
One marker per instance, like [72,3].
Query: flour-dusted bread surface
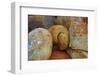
[39,44]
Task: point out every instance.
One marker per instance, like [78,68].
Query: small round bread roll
[60,36]
[39,44]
